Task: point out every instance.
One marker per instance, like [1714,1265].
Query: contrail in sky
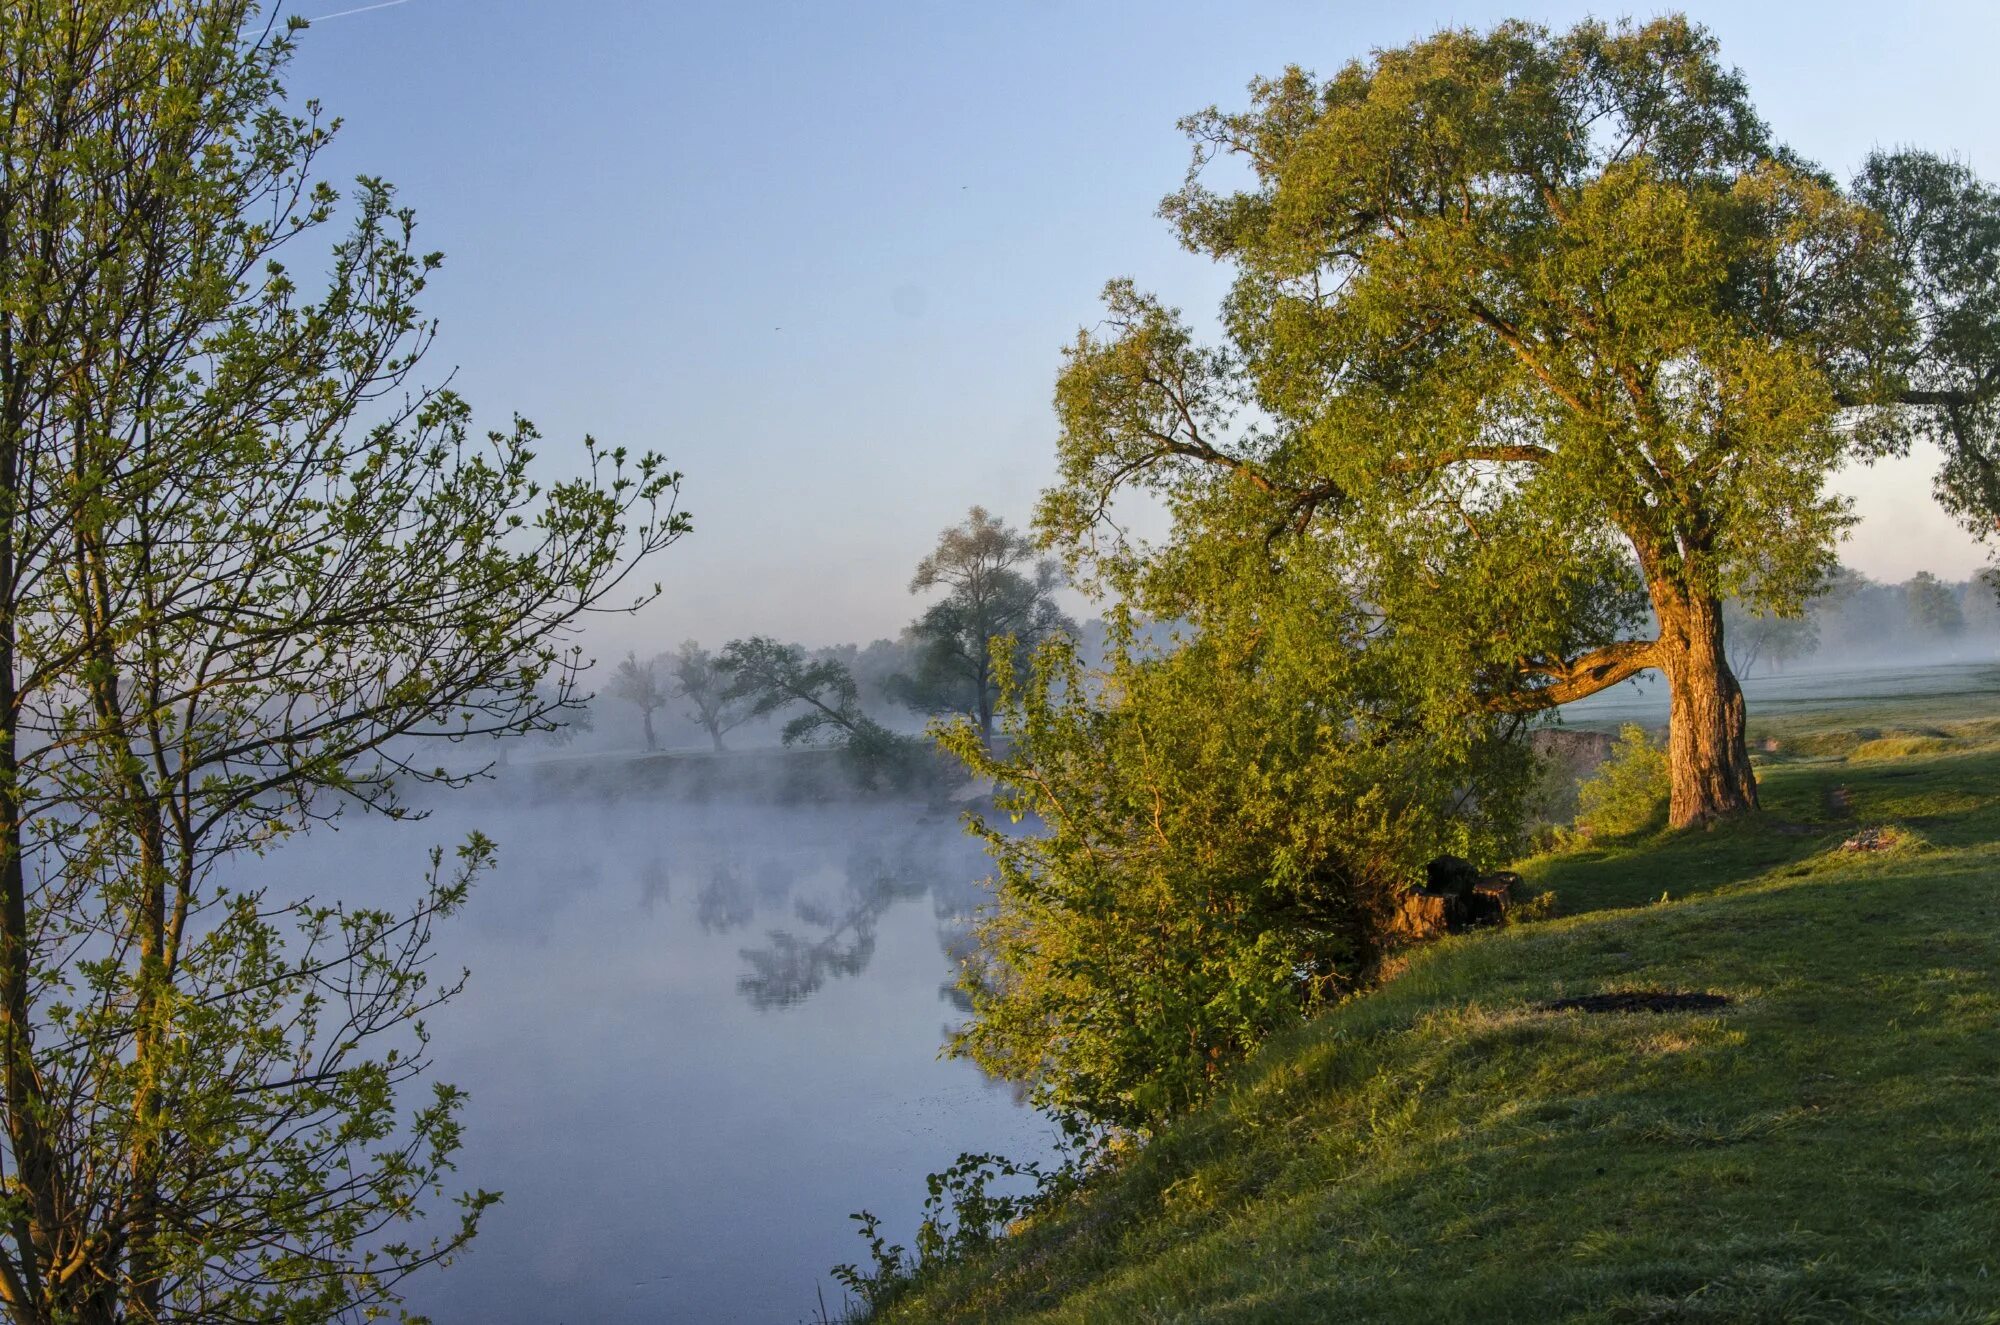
[385,4]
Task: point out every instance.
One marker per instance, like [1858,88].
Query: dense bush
[1628,793]
[1224,828]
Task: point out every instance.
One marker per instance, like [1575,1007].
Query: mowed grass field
[1825,1148]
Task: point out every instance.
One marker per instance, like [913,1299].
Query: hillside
[1824,1148]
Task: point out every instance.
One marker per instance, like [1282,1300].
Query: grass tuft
[1901,747]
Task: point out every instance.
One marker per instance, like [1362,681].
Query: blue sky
[824,255]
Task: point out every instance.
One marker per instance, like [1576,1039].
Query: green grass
[1826,1149]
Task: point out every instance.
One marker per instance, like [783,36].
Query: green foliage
[248,566]
[1225,829]
[767,677]
[1628,793]
[1441,1149]
[996,586]
[1942,373]
[1543,328]
[1471,274]
[962,1215]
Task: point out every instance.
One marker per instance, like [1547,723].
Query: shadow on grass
[1810,804]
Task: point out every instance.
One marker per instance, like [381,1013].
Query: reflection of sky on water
[696,1037]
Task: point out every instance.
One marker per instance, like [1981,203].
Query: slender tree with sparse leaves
[1766,637]
[698,680]
[638,684]
[247,565]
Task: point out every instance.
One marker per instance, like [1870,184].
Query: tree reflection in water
[838,940]
[846,890]
[655,887]
[724,903]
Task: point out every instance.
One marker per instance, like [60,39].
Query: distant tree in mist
[819,694]
[1765,637]
[995,587]
[1861,619]
[705,686]
[1855,615]
[1982,602]
[562,731]
[879,668]
[638,684]
[1932,607]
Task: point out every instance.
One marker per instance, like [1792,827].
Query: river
[695,1038]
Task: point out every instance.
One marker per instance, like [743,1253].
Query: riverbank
[1455,1147]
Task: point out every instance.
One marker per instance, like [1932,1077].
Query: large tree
[1548,327]
[996,585]
[246,565]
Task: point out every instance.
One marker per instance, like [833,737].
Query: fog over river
[702,1029]
[1925,687]
[696,1036]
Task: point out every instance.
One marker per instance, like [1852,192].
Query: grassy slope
[1828,1149]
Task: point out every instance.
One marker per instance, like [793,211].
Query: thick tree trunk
[651,743]
[1706,745]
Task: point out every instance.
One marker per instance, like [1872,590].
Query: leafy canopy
[1533,321]
[766,677]
[1227,823]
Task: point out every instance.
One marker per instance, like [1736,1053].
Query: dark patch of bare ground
[1638,1000]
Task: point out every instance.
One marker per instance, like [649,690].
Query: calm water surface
[695,1038]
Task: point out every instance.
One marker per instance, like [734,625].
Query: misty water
[1815,689]
[696,1036]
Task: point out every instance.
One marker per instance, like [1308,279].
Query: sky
[824,256]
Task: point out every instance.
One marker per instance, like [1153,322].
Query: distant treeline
[1856,621]
[989,589]
[900,684]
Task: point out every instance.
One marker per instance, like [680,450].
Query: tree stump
[1491,896]
[1454,896]
[1422,914]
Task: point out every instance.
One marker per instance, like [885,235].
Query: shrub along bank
[1452,1147]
